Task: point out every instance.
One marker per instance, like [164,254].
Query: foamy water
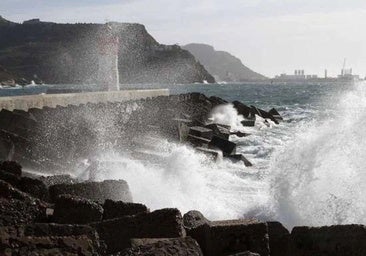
[309,170]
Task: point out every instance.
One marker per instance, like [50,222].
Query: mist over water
[308,170]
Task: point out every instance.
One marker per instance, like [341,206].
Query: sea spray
[319,178]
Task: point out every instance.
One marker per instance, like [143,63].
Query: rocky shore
[68,215]
[62,216]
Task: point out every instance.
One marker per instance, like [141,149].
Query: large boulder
[58,179]
[172,246]
[11,167]
[117,233]
[345,240]
[113,209]
[226,146]
[116,190]
[71,209]
[17,207]
[49,245]
[279,238]
[194,219]
[231,237]
[34,187]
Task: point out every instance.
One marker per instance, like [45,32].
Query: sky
[269,36]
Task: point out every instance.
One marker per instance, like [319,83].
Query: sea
[308,170]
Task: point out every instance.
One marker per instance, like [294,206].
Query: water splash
[319,177]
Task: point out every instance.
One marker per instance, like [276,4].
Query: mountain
[222,65]
[68,53]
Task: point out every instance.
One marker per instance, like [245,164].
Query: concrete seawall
[53,100]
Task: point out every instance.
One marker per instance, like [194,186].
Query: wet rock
[165,223]
[116,209]
[198,141]
[11,167]
[345,240]
[58,179]
[240,158]
[211,153]
[76,210]
[17,207]
[34,187]
[247,253]
[264,114]
[116,190]
[10,178]
[230,237]
[248,122]
[193,220]
[219,130]
[173,246]
[202,132]
[49,245]
[227,147]
[275,114]
[242,109]
[217,101]
[278,239]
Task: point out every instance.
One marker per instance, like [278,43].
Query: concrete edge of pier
[53,100]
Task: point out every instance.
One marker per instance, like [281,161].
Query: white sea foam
[306,172]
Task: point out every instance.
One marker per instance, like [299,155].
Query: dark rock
[58,179]
[198,141]
[202,132]
[217,101]
[247,253]
[230,237]
[172,246]
[165,223]
[113,209]
[10,178]
[76,210]
[16,207]
[226,146]
[116,190]
[11,167]
[49,245]
[219,130]
[194,219]
[264,114]
[34,187]
[240,134]
[278,239]
[211,153]
[346,240]
[240,158]
[275,114]
[242,109]
[248,122]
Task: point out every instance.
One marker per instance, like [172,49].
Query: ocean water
[308,170]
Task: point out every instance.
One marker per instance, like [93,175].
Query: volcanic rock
[113,209]
[76,210]
[117,190]
[238,158]
[278,239]
[17,207]
[172,246]
[11,167]
[165,223]
[345,240]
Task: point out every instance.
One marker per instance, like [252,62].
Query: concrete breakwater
[53,100]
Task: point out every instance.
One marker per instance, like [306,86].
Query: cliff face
[68,53]
[222,65]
